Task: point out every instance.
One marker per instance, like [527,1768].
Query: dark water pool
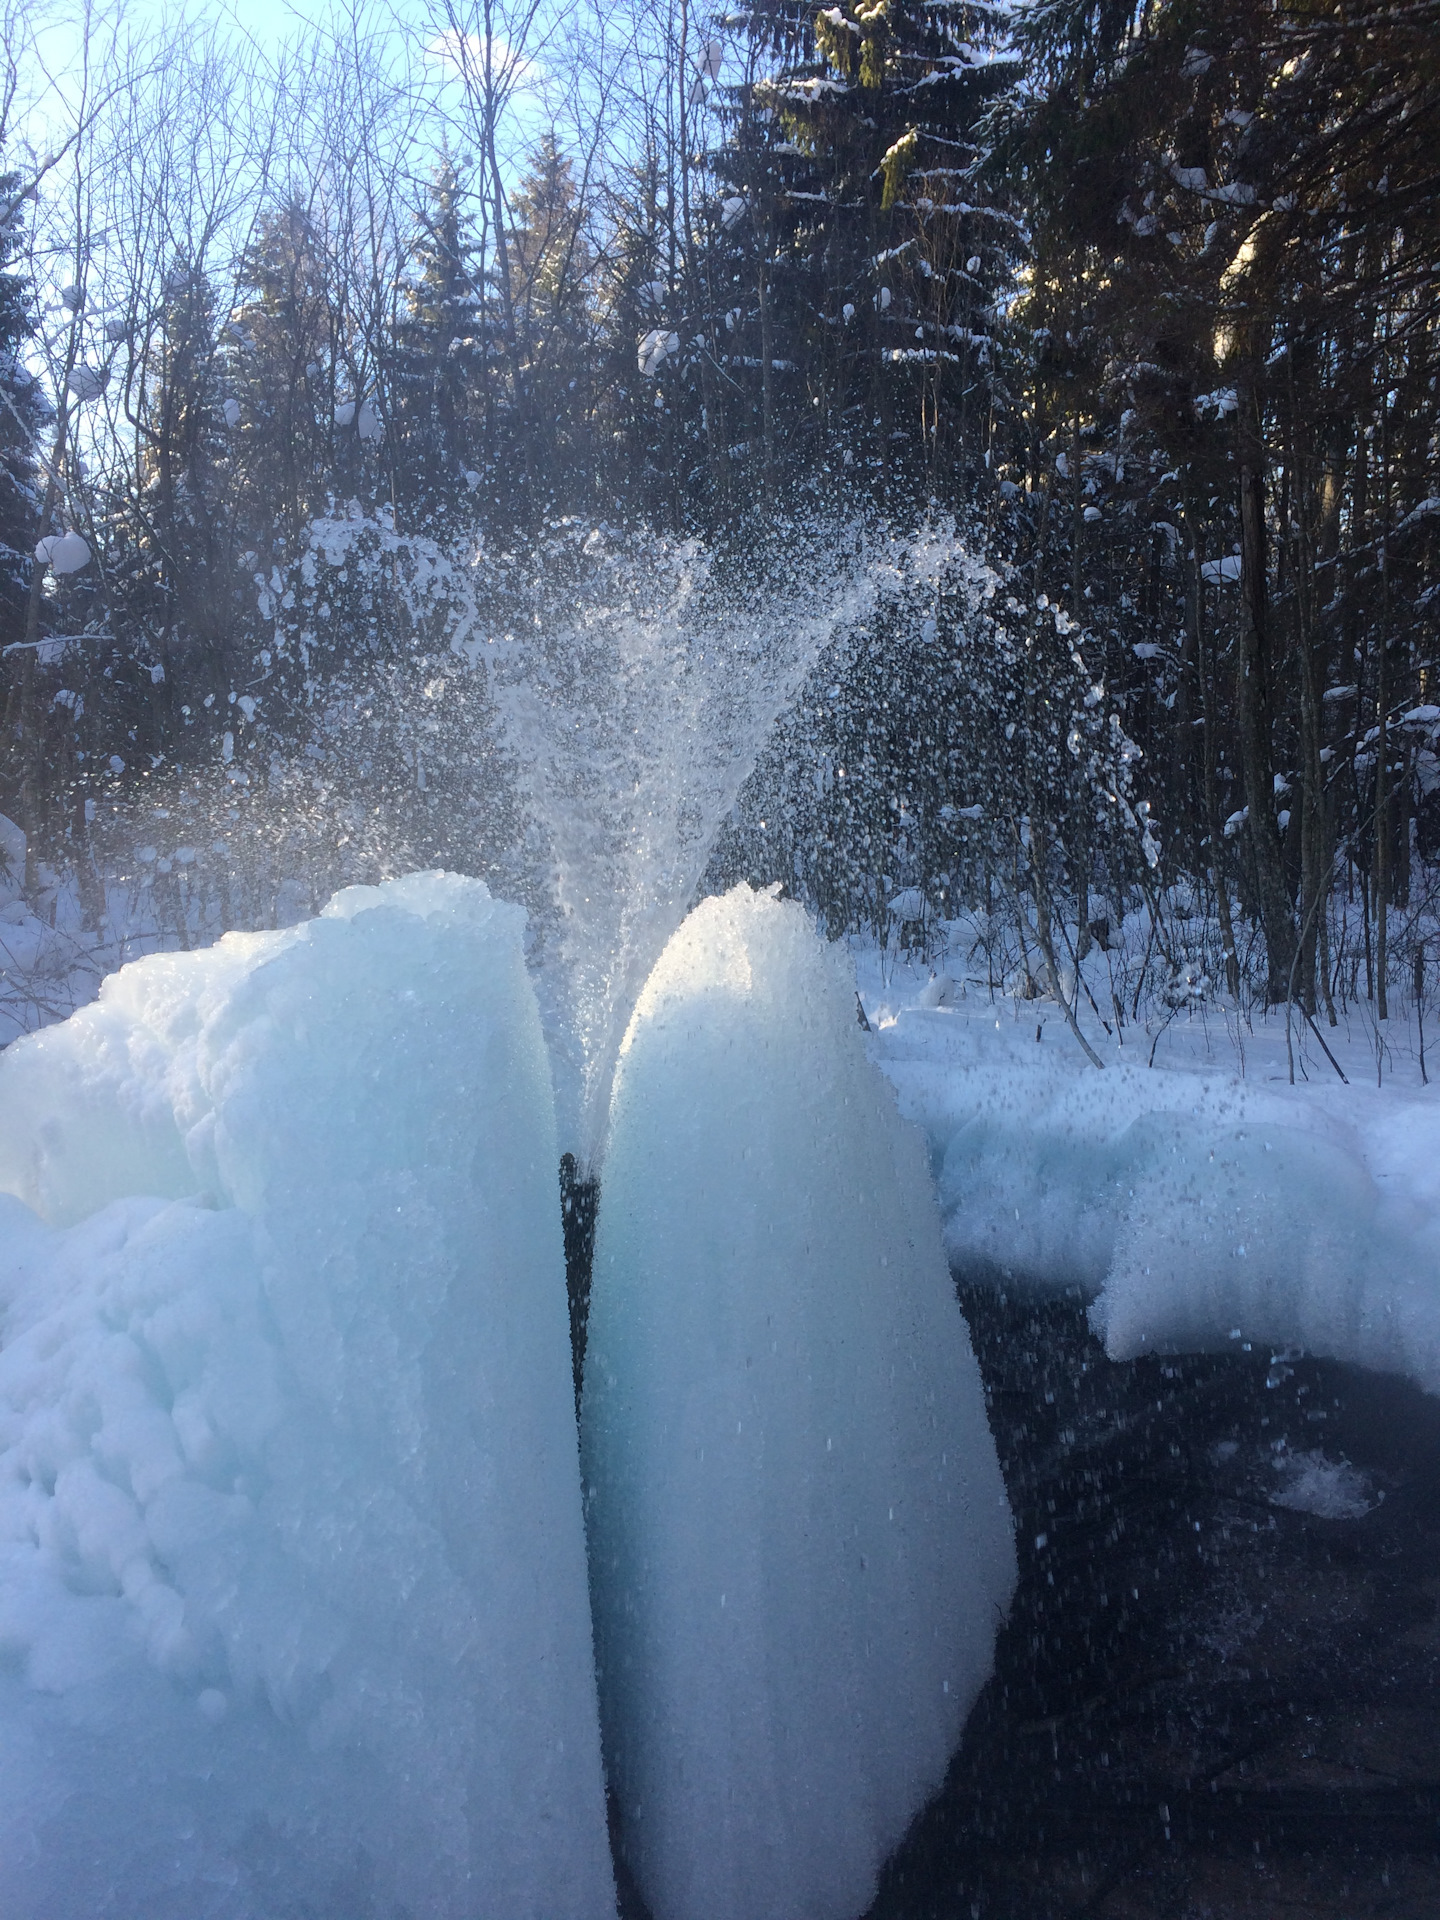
[1206,1704]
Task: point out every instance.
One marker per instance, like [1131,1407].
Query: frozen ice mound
[800,1542]
[1193,1210]
[293,1601]
[1271,1235]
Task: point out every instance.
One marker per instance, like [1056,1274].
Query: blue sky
[45,115]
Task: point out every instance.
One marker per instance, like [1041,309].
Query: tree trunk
[1315,855]
[30,741]
[1252,705]
[767,355]
[1382,718]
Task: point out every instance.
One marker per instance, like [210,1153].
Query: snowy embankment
[293,1596]
[1197,1203]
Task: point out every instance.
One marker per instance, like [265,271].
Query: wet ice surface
[1212,1701]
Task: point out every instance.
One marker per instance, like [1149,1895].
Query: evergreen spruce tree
[551,272]
[22,418]
[646,389]
[1235,259]
[183,537]
[859,152]
[286,366]
[438,377]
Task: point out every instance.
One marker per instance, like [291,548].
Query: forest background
[331,363]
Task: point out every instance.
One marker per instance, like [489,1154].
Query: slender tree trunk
[1382,718]
[1382,820]
[1077,520]
[767,355]
[1044,931]
[1252,703]
[1315,856]
[29,717]
[1212,798]
[1382,851]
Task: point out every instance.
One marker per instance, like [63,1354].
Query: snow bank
[292,1585]
[800,1542]
[1270,1234]
[1195,1208]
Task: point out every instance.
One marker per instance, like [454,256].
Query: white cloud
[464,55]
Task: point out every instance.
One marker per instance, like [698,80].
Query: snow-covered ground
[1198,1200]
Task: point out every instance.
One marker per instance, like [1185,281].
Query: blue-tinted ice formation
[293,1609]
[800,1542]
[293,1596]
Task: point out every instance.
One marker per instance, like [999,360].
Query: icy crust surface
[800,1542]
[1194,1208]
[293,1603]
